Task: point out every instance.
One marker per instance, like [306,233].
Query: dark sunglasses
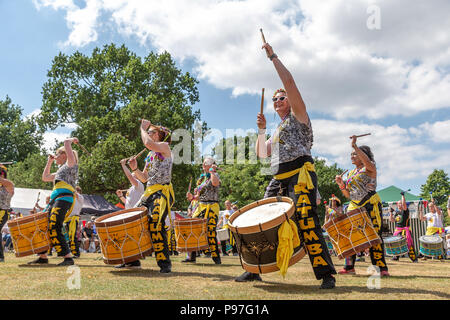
[275,99]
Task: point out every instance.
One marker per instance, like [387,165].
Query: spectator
[223,223]
[88,236]
[6,237]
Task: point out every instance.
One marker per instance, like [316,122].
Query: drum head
[261,214]
[431,239]
[122,216]
[392,239]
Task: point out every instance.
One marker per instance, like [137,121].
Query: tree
[19,137]
[28,173]
[438,183]
[106,94]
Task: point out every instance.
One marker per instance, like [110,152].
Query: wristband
[273,56]
[261,131]
[343,187]
[211,170]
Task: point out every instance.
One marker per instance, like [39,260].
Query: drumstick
[138,155]
[190,182]
[262,36]
[341,175]
[362,135]
[84,149]
[262,101]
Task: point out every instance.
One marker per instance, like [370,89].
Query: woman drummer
[360,189]
[6,193]
[62,199]
[293,168]
[158,196]
[208,205]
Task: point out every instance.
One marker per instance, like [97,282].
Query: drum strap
[167,199]
[303,175]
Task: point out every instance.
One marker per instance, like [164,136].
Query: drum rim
[26,219]
[100,223]
[344,216]
[262,226]
[428,236]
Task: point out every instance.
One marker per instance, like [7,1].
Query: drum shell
[30,234]
[351,233]
[257,245]
[124,240]
[395,246]
[432,249]
[191,234]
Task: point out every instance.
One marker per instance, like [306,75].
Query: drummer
[360,189]
[401,220]
[61,199]
[333,209]
[6,193]
[134,193]
[223,223]
[208,206]
[72,222]
[293,169]
[158,197]
[434,220]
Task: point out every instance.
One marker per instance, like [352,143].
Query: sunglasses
[275,99]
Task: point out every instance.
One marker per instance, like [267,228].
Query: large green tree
[438,186]
[19,137]
[106,94]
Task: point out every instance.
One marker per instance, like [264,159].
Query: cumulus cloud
[343,68]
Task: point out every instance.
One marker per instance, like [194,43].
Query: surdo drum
[223,234]
[255,229]
[431,246]
[395,246]
[29,234]
[351,232]
[191,234]
[124,235]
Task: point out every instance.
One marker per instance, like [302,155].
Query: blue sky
[362,66]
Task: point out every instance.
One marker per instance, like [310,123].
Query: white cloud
[343,68]
[52,138]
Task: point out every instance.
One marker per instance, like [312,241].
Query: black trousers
[307,220]
[58,211]
[4,217]
[158,232]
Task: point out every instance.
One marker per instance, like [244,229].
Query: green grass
[206,281]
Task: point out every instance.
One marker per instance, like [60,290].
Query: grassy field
[206,281]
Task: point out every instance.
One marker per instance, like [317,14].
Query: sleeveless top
[359,184]
[5,198]
[159,168]
[291,140]
[208,192]
[68,174]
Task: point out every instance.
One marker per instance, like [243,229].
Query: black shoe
[39,261]
[67,262]
[130,265]
[397,258]
[2,259]
[217,260]
[329,282]
[248,276]
[188,260]
[165,270]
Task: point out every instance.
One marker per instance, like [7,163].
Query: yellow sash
[165,201]
[433,230]
[304,178]
[374,200]
[214,207]
[72,226]
[63,185]
[288,239]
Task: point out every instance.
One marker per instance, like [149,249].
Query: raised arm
[46,175]
[149,143]
[127,172]
[295,99]
[71,160]
[262,146]
[371,169]
[8,184]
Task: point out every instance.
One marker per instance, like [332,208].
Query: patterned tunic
[360,184]
[68,174]
[5,198]
[291,140]
[159,169]
[209,193]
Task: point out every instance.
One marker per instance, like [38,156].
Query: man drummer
[293,167]
[401,220]
[434,220]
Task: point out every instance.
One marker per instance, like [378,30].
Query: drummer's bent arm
[265,150]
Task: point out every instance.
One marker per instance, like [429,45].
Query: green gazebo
[392,194]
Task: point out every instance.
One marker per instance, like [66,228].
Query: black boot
[248,276]
[329,282]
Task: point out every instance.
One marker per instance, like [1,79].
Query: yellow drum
[351,232]
[124,235]
[29,234]
[191,234]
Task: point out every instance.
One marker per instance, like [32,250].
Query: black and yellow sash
[167,199]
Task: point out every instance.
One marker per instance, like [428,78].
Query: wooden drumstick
[362,135]
[138,155]
[84,149]
[262,36]
[262,101]
[190,183]
[341,175]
